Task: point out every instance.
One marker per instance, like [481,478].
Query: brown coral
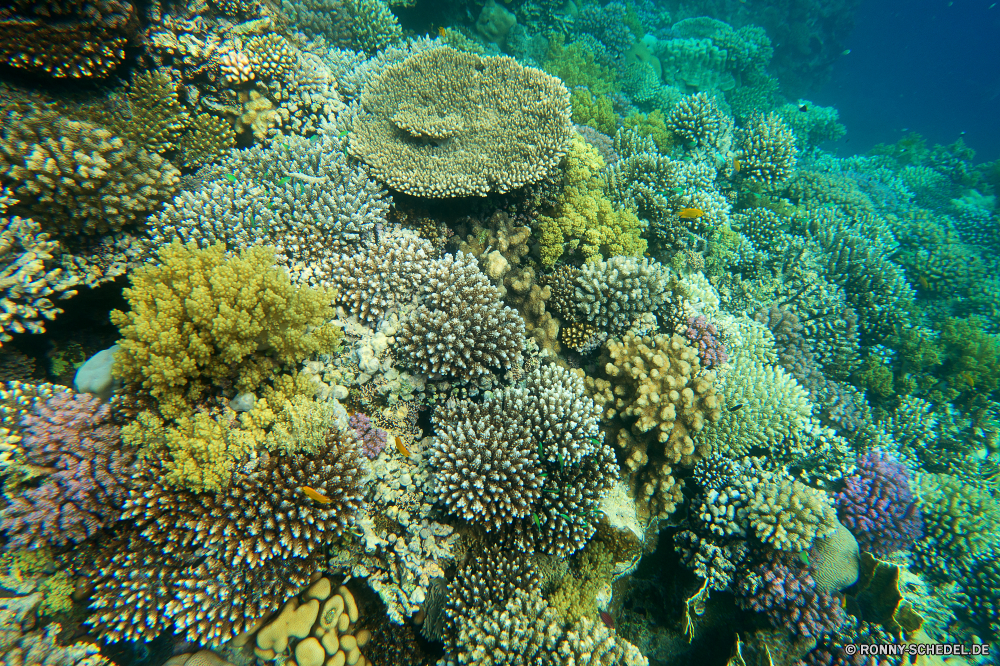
[444,123]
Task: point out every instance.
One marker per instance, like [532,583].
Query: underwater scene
[499,333]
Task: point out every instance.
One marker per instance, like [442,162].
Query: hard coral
[787,594]
[87,470]
[213,565]
[529,462]
[444,123]
[372,439]
[198,319]
[710,349]
[767,151]
[878,506]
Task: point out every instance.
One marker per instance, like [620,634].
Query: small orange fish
[401,447]
[690,213]
[316,495]
[442,32]
[737,165]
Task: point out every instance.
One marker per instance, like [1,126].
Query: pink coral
[71,437]
[372,439]
[710,349]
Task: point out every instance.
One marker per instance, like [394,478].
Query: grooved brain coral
[444,123]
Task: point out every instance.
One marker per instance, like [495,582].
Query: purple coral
[70,436]
[372,439]
[878,507]
[710,350]
[787,594]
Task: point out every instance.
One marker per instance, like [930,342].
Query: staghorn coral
[374,282]
[30,278]
[303,196]
[199,318]
[767,151]
[74,176]
[444,123]
[657,383]
[710,350]
[368,25]
[87,470]
[460,327]
[529,462]
[210,566]
[789,598]
[614,294]
[878,506]
[67,40]
[526,630]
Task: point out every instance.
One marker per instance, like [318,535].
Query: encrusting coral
[444,123]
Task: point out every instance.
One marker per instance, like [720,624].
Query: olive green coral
[444,123]
[961,520]
[586,221]
[200,320]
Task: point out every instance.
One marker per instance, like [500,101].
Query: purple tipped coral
[878,507]
[704,334]
[372,439]
[787,594]
[70,437]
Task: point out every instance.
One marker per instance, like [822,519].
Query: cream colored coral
[788,515]
[318,627]
[445,123]
[658,382]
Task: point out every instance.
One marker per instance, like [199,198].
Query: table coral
[444,123]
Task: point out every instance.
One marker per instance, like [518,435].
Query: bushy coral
[593,110]
[372,438]
[878,506]
[84,485]
[767,151]
[711,351]
[368,25]
[198,318]
[614,295]
[529,462]
[961,520]
[213,565]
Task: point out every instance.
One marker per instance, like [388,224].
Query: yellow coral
[593,110]
[586,219]
[200,320]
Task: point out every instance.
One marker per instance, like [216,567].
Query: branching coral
[211,566]
[878,506]
[444,123]
[767,151]
[368,25]
[614,294]
[529,462]
[198,319]
[83,488]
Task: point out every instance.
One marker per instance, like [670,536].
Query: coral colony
[500,335]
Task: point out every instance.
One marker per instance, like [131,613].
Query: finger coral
[444,123]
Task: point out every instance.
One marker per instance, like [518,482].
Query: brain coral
[444,123]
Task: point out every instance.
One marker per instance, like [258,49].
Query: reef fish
[690,213]
[316,495]
[607,619]
[401,447]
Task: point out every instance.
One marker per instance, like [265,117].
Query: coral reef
[528,463]
[878,506]
[614,294]
[444,123]
[710,350]
[84,485]
[767,151]
[789,599]
[372,438]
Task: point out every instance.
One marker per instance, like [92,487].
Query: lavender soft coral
[704,334]
[878,507]
[71,435]
[372,439]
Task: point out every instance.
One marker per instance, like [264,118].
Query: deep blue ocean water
[927,66]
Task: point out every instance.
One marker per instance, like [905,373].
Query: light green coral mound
[963,520]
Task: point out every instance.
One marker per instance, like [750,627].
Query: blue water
[928,66]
